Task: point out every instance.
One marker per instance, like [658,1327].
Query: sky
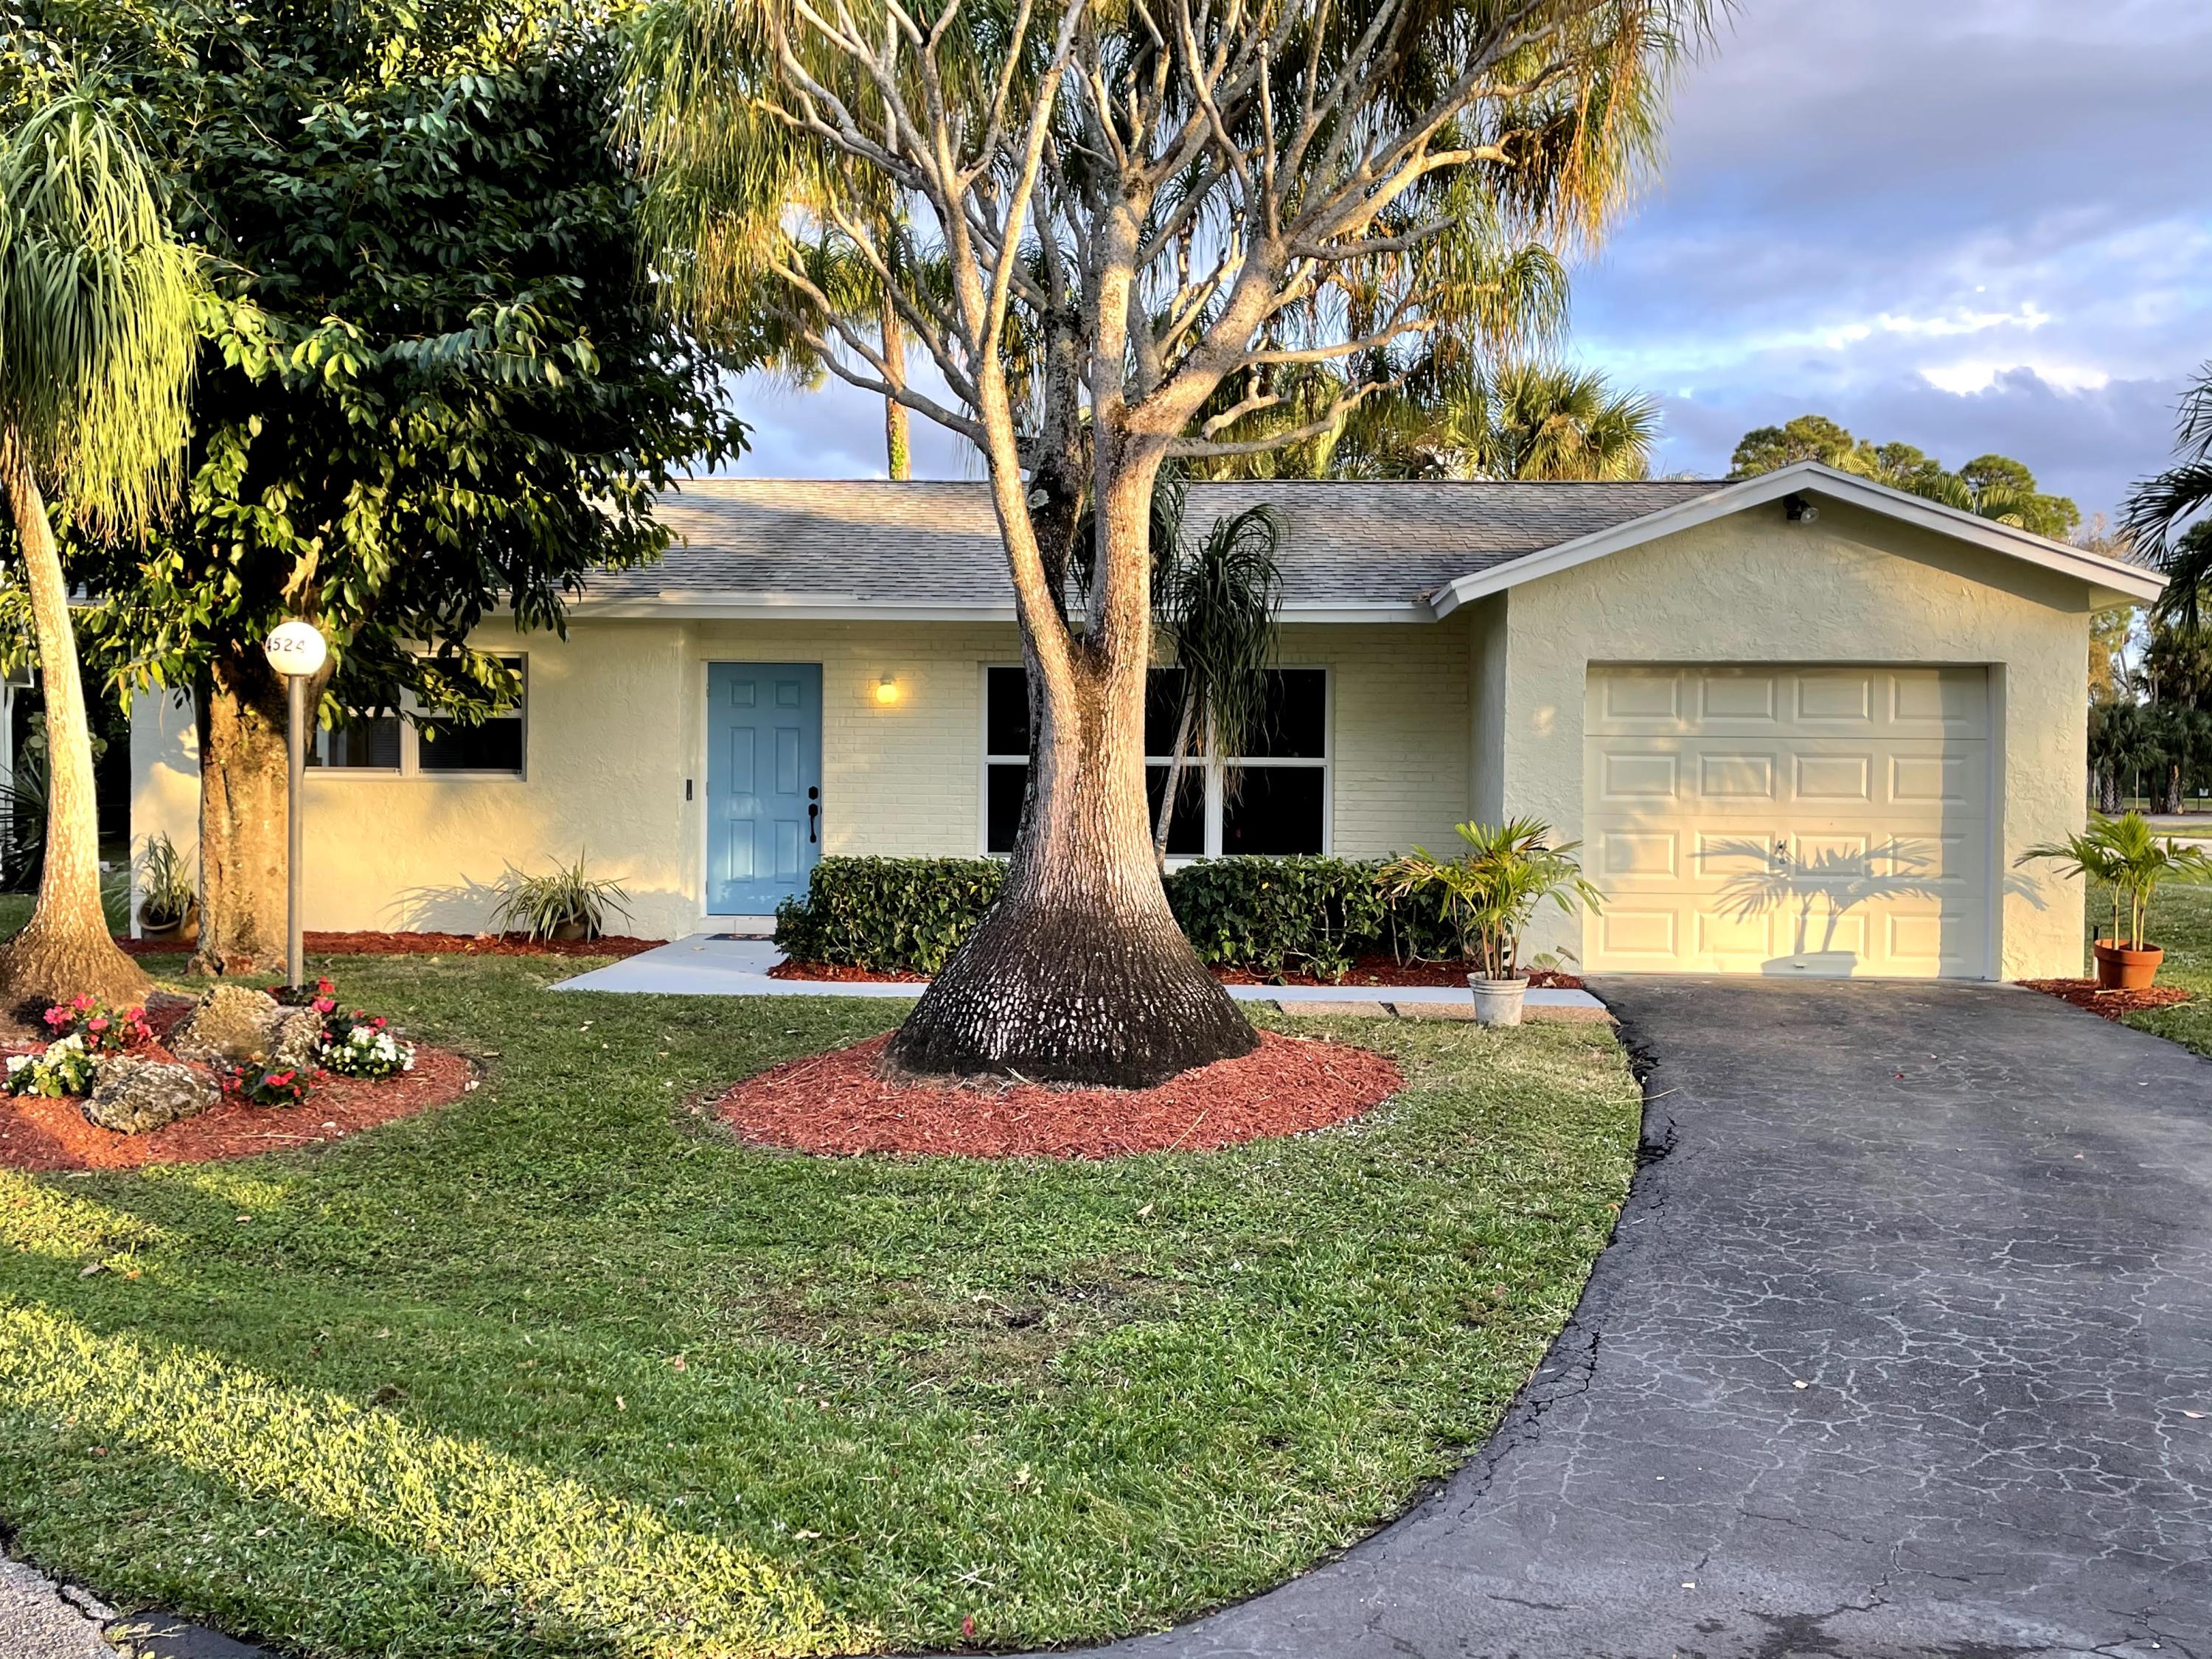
[1969,225]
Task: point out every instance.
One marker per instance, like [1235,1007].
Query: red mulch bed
[840,1104]
[1368,970]
[434,944]
[43,1134]
[2084,993]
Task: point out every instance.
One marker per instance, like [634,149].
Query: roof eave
[2110,583]
[712,605]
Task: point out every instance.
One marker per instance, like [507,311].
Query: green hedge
[1266,916]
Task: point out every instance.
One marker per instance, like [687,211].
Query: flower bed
[49,1134]
[228,1076]
[842,1103]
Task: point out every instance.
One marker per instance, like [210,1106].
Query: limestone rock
[294,1038]
[231,1023]
[132,1096]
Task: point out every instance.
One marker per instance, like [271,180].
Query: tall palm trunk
[241,708]
[898,459]
[66,948]
[1080,972]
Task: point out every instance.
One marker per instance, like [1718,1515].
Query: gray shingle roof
[803,541]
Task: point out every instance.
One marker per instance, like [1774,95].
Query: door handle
[813,814]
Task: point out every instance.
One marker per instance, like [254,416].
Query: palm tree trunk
[1079,973]
[898,459]
[1174,776]
[66,950]
[243,820]
[2172,802]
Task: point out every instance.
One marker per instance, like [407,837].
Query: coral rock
[133,1096]
[294,1038]
[231,1023]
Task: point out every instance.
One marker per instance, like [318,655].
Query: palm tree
[1543,420]
[2181,495]
[1216,608]
[95,362]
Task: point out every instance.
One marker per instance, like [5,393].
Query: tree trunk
[2108,791]
[897,457]
[242,816]
[66,950]
[1175,775]
[1079,973]
[2173,803]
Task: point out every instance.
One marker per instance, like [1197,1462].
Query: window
[388,744]
[1273,799]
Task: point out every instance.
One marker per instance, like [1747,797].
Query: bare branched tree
[1142,219]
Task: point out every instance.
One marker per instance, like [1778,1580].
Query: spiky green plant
[1489,893]
[541,906]
[96,347]
[2131,858]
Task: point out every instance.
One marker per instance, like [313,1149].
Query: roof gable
[2112,582]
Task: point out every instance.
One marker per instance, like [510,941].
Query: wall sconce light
[887,689]
[1798,510]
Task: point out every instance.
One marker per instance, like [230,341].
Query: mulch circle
[2084,993]
[1368,970]
[44,1134]
[433,945]
[840,1104]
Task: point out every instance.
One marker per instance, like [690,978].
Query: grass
[554,1372]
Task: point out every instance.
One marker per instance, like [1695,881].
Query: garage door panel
[1808,821]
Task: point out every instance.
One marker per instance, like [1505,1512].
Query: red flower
[377,1022]
[280,1078]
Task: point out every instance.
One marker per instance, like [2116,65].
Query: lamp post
[296,650]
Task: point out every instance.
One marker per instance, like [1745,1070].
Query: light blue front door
[763,783]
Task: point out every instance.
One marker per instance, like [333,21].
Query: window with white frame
[398,747]
[1273,799]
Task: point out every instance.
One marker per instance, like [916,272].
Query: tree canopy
[1991,486]
[433,382]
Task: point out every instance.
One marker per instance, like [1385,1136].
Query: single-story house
[1801,723]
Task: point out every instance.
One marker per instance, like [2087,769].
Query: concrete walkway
[713,965]
[1902,1347]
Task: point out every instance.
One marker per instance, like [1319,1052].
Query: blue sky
[1969,225]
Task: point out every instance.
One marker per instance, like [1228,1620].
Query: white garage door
[1788,820]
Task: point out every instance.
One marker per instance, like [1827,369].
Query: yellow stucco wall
[616,724]
[1850,588]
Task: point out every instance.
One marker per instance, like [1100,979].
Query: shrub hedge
[1263,915]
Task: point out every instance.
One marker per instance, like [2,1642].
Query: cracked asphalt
[1899,1349]
[1903,1346]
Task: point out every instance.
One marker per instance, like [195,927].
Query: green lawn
[555,1372]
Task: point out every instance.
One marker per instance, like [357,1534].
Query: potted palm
[1487,895]
[169,894]
[2131,858]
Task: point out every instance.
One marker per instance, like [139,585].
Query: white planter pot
[1497,1001]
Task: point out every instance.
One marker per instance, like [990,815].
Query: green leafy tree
[434,383]
[1990,486]
[95,361]
[2169,514]
[1135,212]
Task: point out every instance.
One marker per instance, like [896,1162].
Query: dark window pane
[369,745]
[1296,725]
[1004,788]
[1006,711]
[1276,810]
[494,746]
[1187,830]
[1163,710]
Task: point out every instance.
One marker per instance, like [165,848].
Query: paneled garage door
[1816,821]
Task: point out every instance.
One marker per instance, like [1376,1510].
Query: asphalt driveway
[1904,1348]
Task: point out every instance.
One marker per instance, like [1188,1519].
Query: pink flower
[98,1023]
[57,1017]
[377,1022]
[81,1000]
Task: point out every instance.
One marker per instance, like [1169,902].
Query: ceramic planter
[1497,1001]
[187,932]
[568,932]
[2121,969]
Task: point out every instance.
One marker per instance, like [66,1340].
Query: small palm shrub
[2131,858]
[1488,893]
[565,902]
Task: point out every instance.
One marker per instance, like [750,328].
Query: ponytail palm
[95,361]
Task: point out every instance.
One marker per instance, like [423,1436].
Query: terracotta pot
[2120,968]
[1497,1001]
